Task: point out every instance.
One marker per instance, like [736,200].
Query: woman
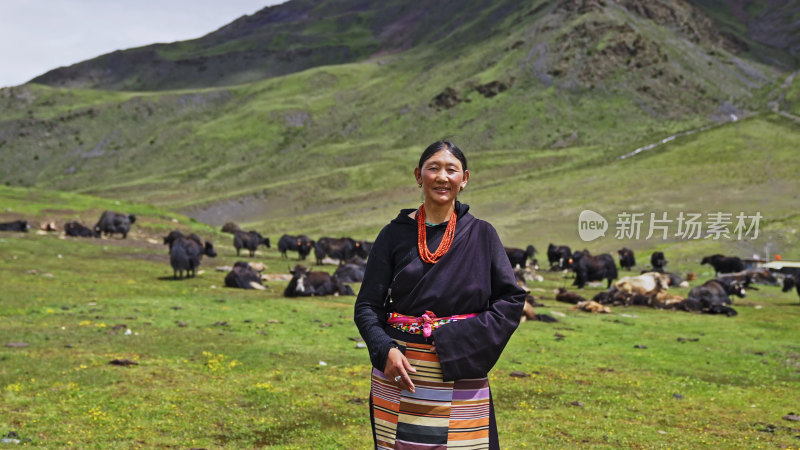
[437,306]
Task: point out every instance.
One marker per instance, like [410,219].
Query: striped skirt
[439,415]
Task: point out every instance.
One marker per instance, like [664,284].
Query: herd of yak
[187,251]
[650,288]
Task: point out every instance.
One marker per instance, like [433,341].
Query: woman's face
[442,177]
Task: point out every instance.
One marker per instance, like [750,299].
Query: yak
[113,222]
[173,236]
[301,244]
[750,276]
[646,283]
[626,258]
[17,225]
[230,227]
[243,276]
[717,292]
[185,255]
[658,261]
[519,257]
[724,264]
[790,282]
[350,273]
[76,229]
[341,249]
[249,240]
[559,257]
[305,283]
[593,268]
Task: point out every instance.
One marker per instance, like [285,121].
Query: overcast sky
[39,35]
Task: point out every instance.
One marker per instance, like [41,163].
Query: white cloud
[39,35]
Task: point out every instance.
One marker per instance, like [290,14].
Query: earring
[420,185]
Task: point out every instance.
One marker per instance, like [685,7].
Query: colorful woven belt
[424,324]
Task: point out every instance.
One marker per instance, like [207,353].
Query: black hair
[443,145]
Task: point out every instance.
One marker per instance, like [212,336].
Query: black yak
[559,257]
[724,264]
[185,255]
[113,222]
[249,240]
[658,261]
[593,268]
[626,258]
[76,229]
[305,283]
[301,244]
[519,257]
[243,276]
[341,249]
[17,225]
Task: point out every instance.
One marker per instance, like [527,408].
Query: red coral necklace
[422,243]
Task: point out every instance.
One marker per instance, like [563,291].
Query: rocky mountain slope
[301,34]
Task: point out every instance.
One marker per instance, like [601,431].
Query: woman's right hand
[398,365]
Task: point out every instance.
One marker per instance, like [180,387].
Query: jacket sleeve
[369,314]
[471,347]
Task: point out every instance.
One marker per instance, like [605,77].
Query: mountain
[301,34]
[311,115]
[289,38]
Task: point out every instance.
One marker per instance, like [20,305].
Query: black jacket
[474,276]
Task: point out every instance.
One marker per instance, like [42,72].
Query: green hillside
[536,196]
[543,97]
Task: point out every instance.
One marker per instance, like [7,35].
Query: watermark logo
[686,225]
[591,225]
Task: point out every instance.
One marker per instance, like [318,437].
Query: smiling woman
[438,304]
[442,174]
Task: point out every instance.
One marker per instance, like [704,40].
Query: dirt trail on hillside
[779,93]
[733,118]
[773,105]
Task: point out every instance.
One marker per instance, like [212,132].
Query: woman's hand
[398,365]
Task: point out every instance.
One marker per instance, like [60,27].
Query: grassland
[329,151]
[228,368]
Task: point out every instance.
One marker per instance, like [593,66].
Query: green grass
[245,369]
[330,151]
[36,101]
